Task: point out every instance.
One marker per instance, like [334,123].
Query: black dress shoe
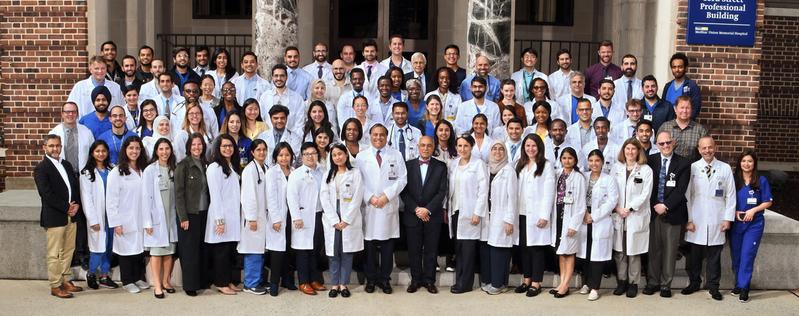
[273,290]
[158,296]
[361,277]
[533,291]
[387,288]
[432,289]
[650,289]
[558,295]
[333,293]
[690,289]
[522,288]
[632,290]
[289,286]
[716,295]
[457,290]
[621,288]
[191,293]
[369,288]
[553,291]
[169,290]
[744,296]
[665,292]
[345,292]
[413,287]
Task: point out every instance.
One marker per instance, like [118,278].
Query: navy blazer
[53,192]
[673,197]
[431,195]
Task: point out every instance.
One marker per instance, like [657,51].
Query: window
[228,9]
[545,12]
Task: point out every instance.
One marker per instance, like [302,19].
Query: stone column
[275,27]
[489,34]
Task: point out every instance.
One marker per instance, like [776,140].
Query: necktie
[629,90]
[662,180]
[202,72]
[369,71]
[513,149]
[278,136]
[424,162]
[319,72]
[167,109]
[707,171]
[379,159]
[556,152]
[402,143]
[71,149]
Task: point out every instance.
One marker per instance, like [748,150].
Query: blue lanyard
[476,108]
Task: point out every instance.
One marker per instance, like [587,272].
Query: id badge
[346,194]
[568,199]
[392,172]
[671,183]
[751,201]
[719,193]
[648,117]
[451,118]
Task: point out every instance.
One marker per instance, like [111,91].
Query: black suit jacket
[53,192]
[428,82]
[431,195]
[673,197]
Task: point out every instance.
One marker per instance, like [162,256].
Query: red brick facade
[778,111]
[730,80]
[44,45]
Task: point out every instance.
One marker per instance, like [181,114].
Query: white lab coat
[610,152]
[179,139]
[572,213]
[620,92]
[468,110]
[150,90]
[565,110]
[370,83]
[504,209]
[344,109]
[389,179]
[303,198]
[536,201]
[574,137]
[277,208]
[604,197]
[166,110]
[482,151]
[123,208]
[449,103]
[85,140]
[633,194]
[92,198]
[521,85]
[225,193]
[290,99]
[81,94]
[349,194]
[289,137]
[153,210]
[550,151]
[411,134]
[253,208]
[468,194]
[705,209]
[616,114]
[178,115]
[260,86]
[530,114]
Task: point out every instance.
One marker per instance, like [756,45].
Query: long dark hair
[451,142]
[188,147]
[540,159]
[235,163]
[229,70]
[91,164]
[124,162]
[170,162]
[333,168]
[309,128]
[358,126]
[280,146]
[243,115]
[326,131]
[225,130]
[142,120]
[572,153]
[598,153]
[479,116]
[738,175]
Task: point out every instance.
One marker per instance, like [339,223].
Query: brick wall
[44,55]
[778,105]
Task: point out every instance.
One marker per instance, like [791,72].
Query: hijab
[494,166]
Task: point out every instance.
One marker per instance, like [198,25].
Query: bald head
[707,148]
[339,69]
[482,65]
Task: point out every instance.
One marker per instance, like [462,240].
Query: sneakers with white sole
[584,290]
[132,288]
[142,285]
[593,295]
[491,290]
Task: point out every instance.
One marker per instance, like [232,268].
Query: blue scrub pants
[253,265]
[102,260]
[744,241]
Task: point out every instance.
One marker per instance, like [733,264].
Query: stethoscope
[258,170]
[408,133]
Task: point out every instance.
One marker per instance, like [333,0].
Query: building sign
[721,22]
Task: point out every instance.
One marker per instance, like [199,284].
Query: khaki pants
[628,268]
[60,246]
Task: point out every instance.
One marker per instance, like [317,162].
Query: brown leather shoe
[307,289]
[60,293]
[71,288]
[318,286]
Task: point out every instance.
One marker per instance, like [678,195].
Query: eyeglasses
[308,154]
[195,114]
[70,112]
[665,143]
[226,146]
[148,110]
[191,91]
[635,111]
[226,90]
[583,110]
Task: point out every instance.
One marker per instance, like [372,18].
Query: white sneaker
[593,296]
[584,290]
[485,287]
[132,288]
[142,285]
[491,290]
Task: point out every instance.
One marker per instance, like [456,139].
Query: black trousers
[422,251]
[81,254]
[131,268]
[533,258]
[465,251]
[592,270]
[500,266]
[222,259]
[485,263]
[307,260]
[379,260]
[193,253]
[711,254]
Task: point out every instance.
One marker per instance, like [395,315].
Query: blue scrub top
[95,125]
[762,194]
[674,92]
[415,116]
